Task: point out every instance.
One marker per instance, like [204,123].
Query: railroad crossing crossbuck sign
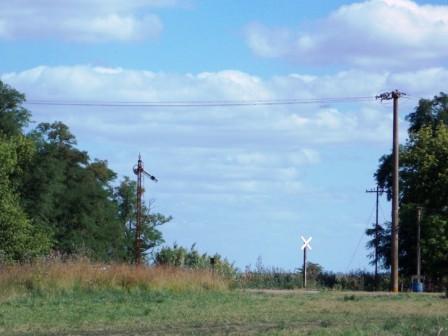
[306,243]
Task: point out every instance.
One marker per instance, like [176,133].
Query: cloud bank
[221,127]
[254,149]
[369,34]
[81,21]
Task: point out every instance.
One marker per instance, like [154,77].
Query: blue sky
[241,181]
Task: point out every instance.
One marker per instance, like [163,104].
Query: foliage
[276,278]
[263,277]
[151,236]
[270,278]
[13,116]
[70,195]
[181,257]
[379,242]
[423,183]
[357,280]
[429,112]
[53,196]
[18,238]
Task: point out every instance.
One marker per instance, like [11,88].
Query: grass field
[162,312]
[83,299]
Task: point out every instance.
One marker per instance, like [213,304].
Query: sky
[242,181]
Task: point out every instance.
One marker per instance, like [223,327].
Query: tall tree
[429,112]
[72,196]
[423,183]
[19,239]
[13,116]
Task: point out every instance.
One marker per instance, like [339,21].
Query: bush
[355,280]
[268,277]
[178,256]
[273,279]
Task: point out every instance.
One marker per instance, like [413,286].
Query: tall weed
[50,276]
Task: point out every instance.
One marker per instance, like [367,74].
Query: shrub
[178,256]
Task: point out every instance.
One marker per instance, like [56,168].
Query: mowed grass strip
[221,312]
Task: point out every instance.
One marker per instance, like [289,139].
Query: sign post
[306,244]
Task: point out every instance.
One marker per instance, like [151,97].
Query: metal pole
[139,211]
[304,267]
[395,197]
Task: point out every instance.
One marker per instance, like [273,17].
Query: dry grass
[54,276]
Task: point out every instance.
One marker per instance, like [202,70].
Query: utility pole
[419,258]
[138,225]
[140,172]
[394,95]
[378,192]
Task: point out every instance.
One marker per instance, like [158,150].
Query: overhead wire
[360,239]
[199,103]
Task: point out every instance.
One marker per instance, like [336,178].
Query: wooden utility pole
[140,172]
[395,196]
[378,192]
[394,95]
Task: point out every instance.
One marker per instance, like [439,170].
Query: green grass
[137,311]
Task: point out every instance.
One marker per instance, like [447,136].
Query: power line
[360,239]
[200,103]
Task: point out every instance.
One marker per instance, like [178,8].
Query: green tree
[151,236]
[13,116]
[423,183]
[52,195]
[71,196]
[429,112]
[19,240]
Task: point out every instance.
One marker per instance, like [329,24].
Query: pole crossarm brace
[376,190]
[390,95]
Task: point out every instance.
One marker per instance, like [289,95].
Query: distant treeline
[55,198]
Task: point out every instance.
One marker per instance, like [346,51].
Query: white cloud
[231,151]
[221,127]
[373,33]
[81,21]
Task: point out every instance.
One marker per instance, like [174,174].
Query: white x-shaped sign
[306,243]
